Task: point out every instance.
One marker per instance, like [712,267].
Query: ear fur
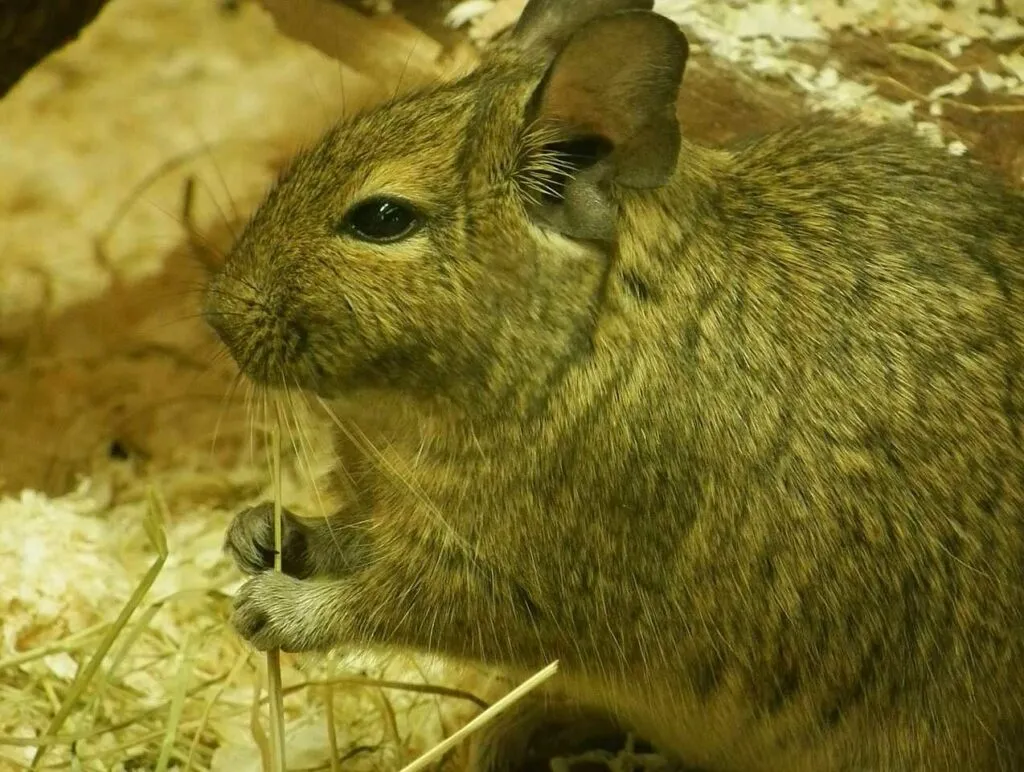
[606,108]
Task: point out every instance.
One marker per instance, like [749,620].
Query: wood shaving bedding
[761,36]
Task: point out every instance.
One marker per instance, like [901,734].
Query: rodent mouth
[263,366]
[267,363]
[285,364]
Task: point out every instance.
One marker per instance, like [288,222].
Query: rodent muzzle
[261,334]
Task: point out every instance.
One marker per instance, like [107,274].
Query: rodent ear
[606,110]
[545,25]
[618,78]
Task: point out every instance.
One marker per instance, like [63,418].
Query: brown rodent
[734,434]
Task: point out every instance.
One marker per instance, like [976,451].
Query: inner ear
[564,159]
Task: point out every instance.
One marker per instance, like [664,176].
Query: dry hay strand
[116,653]
[277,752]
[479,722]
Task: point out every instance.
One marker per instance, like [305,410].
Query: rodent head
[456,240]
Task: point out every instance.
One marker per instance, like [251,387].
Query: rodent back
[832,324]
[824,251]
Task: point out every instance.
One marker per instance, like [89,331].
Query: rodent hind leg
[545,732]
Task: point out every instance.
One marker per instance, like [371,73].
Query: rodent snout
[259,329]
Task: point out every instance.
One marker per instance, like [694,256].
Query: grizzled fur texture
[735,434]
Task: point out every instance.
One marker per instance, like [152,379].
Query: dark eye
[381,220]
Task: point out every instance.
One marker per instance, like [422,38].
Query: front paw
[250,541]
[276,611]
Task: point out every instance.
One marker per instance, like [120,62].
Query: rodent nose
[262,333]
[224,306]
[237,315]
